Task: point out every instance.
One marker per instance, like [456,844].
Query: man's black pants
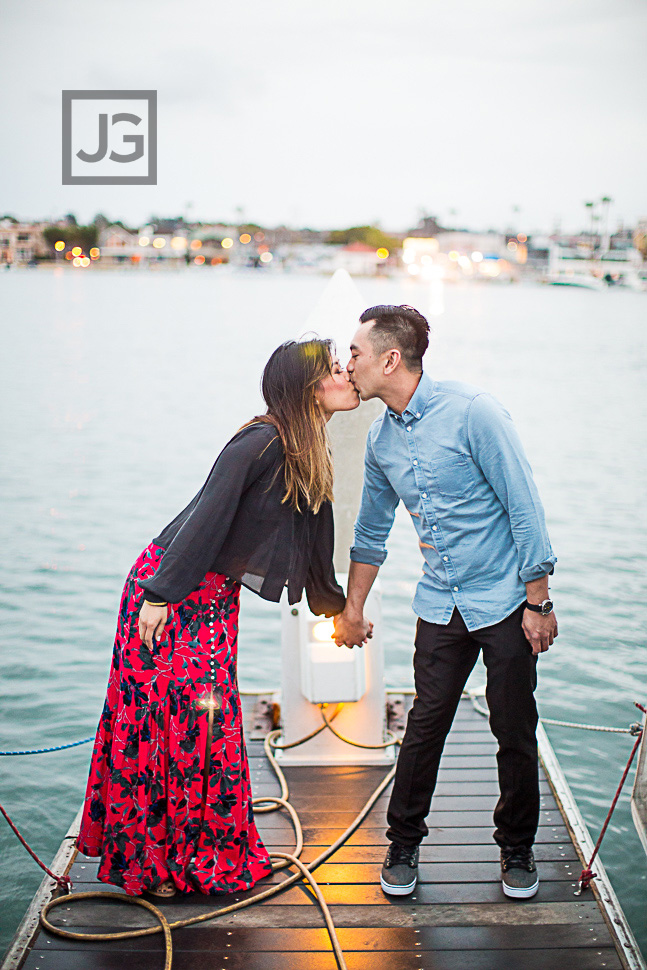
[443,659]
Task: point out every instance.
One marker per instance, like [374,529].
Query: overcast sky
[342,112]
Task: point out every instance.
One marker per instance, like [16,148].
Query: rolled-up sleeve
[497,450]
[190,554]
[376,513]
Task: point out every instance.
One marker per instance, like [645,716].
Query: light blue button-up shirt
[455,460]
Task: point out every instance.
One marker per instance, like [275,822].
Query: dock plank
[551,959]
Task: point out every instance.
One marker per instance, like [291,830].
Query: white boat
[584,280]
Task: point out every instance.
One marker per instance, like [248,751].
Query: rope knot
[585,880]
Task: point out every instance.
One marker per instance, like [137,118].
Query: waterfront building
[118,245]
[22,242]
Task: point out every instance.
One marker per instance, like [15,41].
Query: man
[451,454]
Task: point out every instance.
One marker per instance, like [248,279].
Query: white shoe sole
[398,890]
[515,893]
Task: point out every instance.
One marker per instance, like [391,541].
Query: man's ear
[391,360]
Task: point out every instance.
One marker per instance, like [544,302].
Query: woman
[168,803]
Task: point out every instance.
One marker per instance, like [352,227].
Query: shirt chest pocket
[453,477]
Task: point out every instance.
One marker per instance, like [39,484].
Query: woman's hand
[152,620]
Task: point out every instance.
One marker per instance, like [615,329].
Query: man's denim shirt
[456,461]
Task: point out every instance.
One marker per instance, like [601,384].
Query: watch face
[547,607]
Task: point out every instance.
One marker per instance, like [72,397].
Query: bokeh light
[245,238]
[227,243]
[59,246]
[159,243]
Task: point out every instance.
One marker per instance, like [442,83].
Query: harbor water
[118,389]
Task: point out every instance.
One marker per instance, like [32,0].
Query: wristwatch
[544,608]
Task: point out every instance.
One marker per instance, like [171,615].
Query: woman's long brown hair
[289,387]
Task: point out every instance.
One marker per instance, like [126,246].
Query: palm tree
[591,207]
[606,202]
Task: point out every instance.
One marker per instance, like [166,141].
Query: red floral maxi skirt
[151,811]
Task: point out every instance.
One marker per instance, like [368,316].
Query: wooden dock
[457,919]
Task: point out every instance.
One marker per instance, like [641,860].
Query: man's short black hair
[402,327]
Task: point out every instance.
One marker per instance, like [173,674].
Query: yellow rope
[283,859]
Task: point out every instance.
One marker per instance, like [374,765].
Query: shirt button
[434,528]
[415,461]
[455,589]
[417,414]
[424,495]
[445,558]
[408,427]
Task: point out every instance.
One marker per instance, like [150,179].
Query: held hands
[152,620]
[352,630]
[540,631]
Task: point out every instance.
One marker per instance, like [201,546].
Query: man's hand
[540,631]
[352,629]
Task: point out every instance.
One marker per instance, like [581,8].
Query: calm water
[119,389]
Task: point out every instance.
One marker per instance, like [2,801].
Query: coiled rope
[280,860]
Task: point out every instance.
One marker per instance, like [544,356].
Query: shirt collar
[419,400]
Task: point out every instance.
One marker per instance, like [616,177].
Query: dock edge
[24,935]
[628,948]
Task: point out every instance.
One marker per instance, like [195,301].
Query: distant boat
[576,279]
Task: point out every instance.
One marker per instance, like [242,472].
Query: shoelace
[402,855]
[519,857]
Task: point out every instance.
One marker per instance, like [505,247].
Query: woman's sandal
[164,891]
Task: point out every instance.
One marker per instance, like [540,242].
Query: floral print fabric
[149,812]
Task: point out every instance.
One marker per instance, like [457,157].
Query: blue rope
[58,747]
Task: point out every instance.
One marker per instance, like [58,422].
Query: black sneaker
[518,872]
[400,870]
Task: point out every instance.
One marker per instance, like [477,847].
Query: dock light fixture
[144,241]
[59,246]
[329,674]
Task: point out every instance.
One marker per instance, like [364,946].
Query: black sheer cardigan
[237,525]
